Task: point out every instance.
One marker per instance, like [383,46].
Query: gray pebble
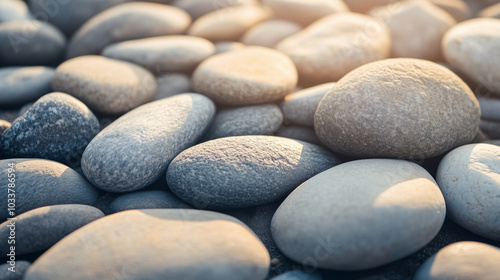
[146,200]
[19,270]
[19,85]
[172,84]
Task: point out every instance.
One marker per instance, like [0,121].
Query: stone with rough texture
[305,12]
[11,10]
[135,150]
[269,33]
[469,178]
[252,75]
[146,200]
[40,228]
[298,275]
[20,270]
[105,85]
[360,215]
[171,84]
[458,9]
[57,127]
[492,12]
[164,243]
[19,85]
[398,108]
[43,182]
[244,171]
[124,22]
[299,133]
[198,8]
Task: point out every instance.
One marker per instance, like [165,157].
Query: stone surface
[165,243]
[270,32]
[57,127]
[146,200]
[222,47]
[298,275]
[398,108]
[43,182]
[469,178]
[364,6]
[309,11]
[490,108]
[325,51]
[458,9]
[198,8]
[11,10]
[462,261]
[105,85]
[248,76]
[249,120]
[360,215]
[4,125]
[20,269]
[135,150]
[40,228]
[19,85]
[124,22]
[492,12]
[163,54]
[244,171]
[171,84]
[299,133]
[460,48]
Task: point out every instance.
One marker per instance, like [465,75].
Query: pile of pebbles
[250,139]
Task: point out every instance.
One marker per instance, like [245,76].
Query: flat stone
[20,85]
[458,9]
[11,10]
[114,25]
[244,171]
[4,125]
[20,269]
[146,200]
[309,11]
[360,215]
[163,54]
[298,275]
[398,108]
[171,84]
[40,228]
[490,108]
[43,182]
[270,32]
[135,150]
[57,127]
[299,133]
[106,85]
[469,179]
[198,8]
[252,75]
[165,243]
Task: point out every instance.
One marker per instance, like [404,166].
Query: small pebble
[171,84]
[19,85]
[309,11]
[146,200]
[270,32]
[12,10]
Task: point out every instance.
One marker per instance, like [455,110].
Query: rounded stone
[398,108]
[299,133]
[309,11]
[360,215]
[171,84]
[458,9]
[42,182]
[460,48]
[57,127]
[462,261]
[105,85]
[18,274]
[146,200]
[269,33]
[4,125]
[164,243]
[163,54]
[135,150]
[125,22]
[469,178]
[325,51]
[20,85]
[252,75]
[40,228]
[198,8]
[11,10]
[492,11]
[244,171]
[249,120]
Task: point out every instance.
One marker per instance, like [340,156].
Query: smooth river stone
[269,33]
[42,182]
[325,51]
[252,75]
[20,85]
[135,150]
[164,243]
[125,22]
[305,12]
[360,215]
[30,43]
[244,171]
[398,108]
[171,84]
[19,270]
[469,178]
[249,120]
[40,228]
[462,261]
[57,127]
[198,8]
[458,9]
[146,200]
[299,107]
[105,85]
[163,54]
[472,47]
[11,10]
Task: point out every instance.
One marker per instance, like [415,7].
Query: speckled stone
[490,128]
[248,76]
[469,178]
[309,11]
[164,243]
[114,25]
[298,275]
[43,182]
[30,43]
[19,85]
[163,54]
[171,84]
[106,85]
[462,261]
[270,32]
[4,125]
[398,108]
[11,10]
[19,270]
[222,47]
[198,8]
[249,120]
[244,171]
[40,228]
[299,133]
[136,149]
[492,11]
[360,215]
[458,9]
[146,200]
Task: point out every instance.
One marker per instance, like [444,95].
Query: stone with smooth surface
[20,85]
[198,8]
[171,84]
[299,107]
[11,10]
[305,12]
[492,11]
[491,128]
[146,200]
[269,33]
[490,108]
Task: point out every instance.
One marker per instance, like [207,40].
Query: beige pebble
[456,8]
[492,11]
[364,6]
[222,47]
[269,33]
[171,84]
[198,8]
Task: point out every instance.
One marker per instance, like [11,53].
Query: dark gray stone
[58,127]
[4,125]
[299,133]
[40,182]
[146,200]
[298,275]
[11,10]
[244,171]
[19,270]
[40,228]
[19,85]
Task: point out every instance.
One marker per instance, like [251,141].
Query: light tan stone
[304,12]
[269,33]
